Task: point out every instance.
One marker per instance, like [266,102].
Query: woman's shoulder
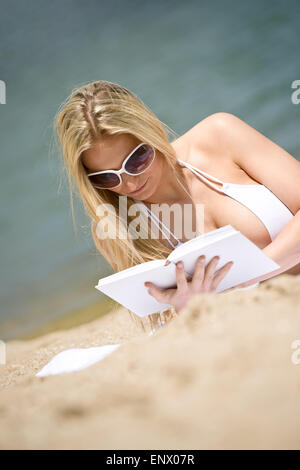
[204,141]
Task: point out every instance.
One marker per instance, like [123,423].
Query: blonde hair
[92,111]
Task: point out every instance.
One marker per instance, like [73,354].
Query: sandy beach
[222,375]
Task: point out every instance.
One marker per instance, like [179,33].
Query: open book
[127,286]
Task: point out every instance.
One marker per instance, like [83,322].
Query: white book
[127,286]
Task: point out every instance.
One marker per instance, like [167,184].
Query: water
[184,60]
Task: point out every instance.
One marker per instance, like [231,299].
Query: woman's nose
[130,182]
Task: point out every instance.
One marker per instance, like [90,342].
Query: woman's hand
[204,280]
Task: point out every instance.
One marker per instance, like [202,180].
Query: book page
[201,240]
[132,271]
[133,294]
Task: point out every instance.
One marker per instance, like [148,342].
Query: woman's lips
[140,189]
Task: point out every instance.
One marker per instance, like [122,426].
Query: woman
[102,124]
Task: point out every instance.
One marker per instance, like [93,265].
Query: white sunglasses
[138,161]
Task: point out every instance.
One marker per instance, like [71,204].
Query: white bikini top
[257,197]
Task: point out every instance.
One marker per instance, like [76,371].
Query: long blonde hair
[92,111]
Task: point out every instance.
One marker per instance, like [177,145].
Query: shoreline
[72,319]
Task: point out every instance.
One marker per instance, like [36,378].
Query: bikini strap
[156,221]
[199,173]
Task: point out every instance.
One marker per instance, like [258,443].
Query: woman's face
[110,153]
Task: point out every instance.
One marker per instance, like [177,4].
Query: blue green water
[185,60]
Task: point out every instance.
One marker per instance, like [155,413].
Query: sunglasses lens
[140,160]
[105,180]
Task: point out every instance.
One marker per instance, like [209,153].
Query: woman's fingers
[221,274]
[165,295]
[204,279]
[198,275]
[209,272]
[181,280]
[161,295]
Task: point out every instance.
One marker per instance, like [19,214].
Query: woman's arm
[279,171]
[284,250]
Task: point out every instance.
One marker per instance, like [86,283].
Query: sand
[222,375]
